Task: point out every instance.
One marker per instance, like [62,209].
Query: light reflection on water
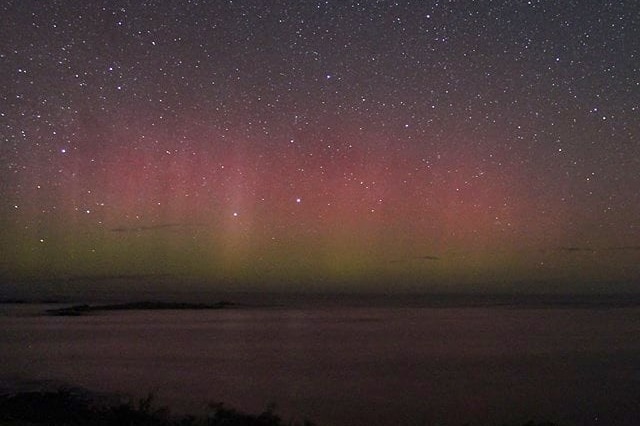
[350,365]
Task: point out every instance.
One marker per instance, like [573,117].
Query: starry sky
[316,145]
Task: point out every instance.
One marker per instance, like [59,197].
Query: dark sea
[350,360]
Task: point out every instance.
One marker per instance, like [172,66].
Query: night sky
[321,145]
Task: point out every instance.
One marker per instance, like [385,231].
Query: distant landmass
[78,310]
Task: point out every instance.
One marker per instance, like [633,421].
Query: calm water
[349,365]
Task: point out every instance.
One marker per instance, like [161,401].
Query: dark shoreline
[77,407]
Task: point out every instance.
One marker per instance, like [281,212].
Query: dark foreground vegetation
[66,408]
